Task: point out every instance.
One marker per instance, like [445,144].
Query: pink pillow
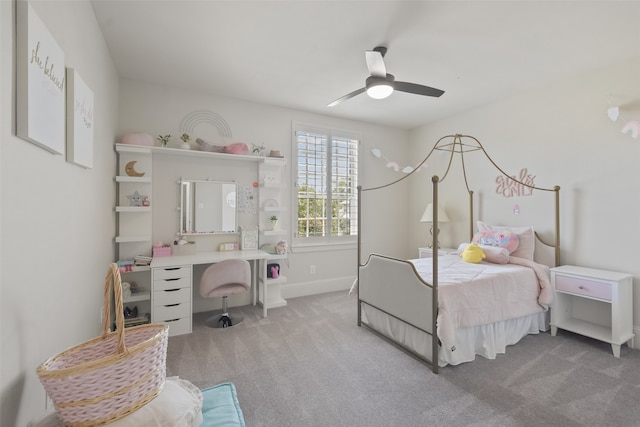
[138,138]
[526,238]
[503,239]
[236,148]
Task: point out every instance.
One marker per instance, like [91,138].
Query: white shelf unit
[140,296]
[272,201]
[594,303]
[134,223]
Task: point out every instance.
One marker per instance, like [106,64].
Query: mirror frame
[185,210]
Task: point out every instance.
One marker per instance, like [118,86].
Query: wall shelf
[280,279]
[272,209]
[132,239]
[190,153]
[134,179]
[138,296]
[273,232]
[138,209]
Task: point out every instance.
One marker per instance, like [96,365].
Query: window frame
[324,242]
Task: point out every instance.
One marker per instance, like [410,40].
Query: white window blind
[326,185]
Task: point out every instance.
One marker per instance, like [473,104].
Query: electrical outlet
[312,269]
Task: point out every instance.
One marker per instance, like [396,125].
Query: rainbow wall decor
[631,127]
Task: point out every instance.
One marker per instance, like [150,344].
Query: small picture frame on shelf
[248,238]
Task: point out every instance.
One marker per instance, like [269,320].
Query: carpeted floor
[308,364]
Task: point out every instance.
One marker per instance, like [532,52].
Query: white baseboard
[301,289]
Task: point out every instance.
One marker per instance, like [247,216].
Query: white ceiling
[304,54]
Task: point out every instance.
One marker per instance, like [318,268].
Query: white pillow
[526,238]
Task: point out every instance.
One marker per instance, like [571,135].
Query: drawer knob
[580,287]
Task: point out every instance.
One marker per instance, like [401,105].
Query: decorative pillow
[236,148]
[503,239]
[493,254]
[526,238]
[473,253]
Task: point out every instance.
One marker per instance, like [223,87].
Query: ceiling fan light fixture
[380,87]
[380,91]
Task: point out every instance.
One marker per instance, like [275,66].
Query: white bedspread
[477,294]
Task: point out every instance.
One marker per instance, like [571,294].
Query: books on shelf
[139,320]
[126,265]
[142,260]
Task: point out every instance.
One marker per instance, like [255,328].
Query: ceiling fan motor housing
[377,81]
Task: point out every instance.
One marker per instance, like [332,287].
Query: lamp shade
[427,216]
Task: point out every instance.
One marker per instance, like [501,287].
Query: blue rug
[220,406]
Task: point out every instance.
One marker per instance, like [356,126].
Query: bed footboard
[394,287]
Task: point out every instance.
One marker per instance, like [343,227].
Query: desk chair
[228,277]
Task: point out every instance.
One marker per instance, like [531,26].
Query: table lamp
[427,216]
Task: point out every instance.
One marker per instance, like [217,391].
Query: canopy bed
[444,310]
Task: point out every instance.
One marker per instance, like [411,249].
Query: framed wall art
[40,82]
[79,121]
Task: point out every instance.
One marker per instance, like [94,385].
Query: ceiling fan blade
[375,63]
[417,89]
[347,96]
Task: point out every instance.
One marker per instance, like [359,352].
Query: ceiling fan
[380,85]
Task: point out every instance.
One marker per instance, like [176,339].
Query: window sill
[323,247]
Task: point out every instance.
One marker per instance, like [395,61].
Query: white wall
[57,219]
[563,136]
[153,109]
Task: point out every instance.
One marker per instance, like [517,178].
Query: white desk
[255,257]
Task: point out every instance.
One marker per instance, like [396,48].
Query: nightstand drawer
[583,286]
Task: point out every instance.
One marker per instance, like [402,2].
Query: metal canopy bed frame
[381,278]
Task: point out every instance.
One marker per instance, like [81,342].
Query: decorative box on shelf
[160,251]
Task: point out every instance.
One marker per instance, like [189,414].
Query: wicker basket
[111,376]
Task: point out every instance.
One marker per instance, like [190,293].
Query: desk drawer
[171,272]
[163,313]
[176,283]
[172,296]
[583,286]
[179,326]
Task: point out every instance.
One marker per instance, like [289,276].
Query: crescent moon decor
[131,170]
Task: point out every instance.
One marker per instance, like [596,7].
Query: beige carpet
[308,364]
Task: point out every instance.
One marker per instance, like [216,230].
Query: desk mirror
[208,207]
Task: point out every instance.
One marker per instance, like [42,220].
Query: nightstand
[428,252]
[594,303]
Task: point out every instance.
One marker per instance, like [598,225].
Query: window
[326,183]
